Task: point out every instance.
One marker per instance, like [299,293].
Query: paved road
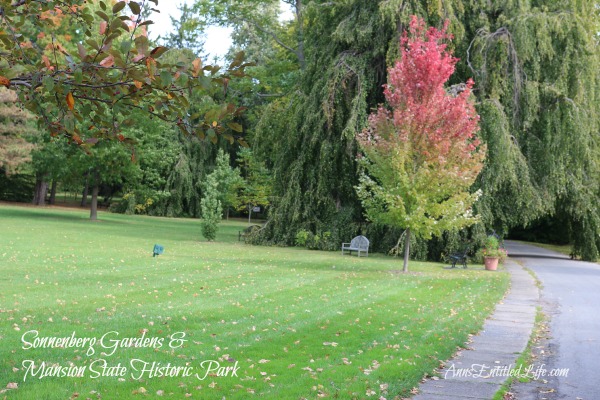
[571,293]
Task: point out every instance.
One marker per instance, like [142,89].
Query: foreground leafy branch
[87,90]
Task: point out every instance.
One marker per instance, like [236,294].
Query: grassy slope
[301,324]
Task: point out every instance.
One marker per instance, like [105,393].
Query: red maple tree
[421,149]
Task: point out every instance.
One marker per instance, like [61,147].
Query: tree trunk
[41,189]
[227,213]
[249,213]
[53,192]
[406,250]
[86,189]
[94,207]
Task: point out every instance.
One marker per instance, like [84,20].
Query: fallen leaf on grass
[12,385]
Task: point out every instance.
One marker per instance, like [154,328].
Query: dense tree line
[319,74]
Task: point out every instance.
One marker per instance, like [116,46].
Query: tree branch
[272,35]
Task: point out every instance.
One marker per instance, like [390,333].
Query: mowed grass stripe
[300,324]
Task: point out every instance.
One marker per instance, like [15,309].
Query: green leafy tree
[157,149]
[211,208]
[187,31]
[229,181]
[109,163]
[422,154]
[259,18]
[257,187]
[53,160]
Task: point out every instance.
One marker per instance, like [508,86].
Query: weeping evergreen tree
[535,68]
[314,128]
[536,64]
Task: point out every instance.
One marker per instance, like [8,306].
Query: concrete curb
[478,373]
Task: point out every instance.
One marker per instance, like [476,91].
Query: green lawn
[292,323]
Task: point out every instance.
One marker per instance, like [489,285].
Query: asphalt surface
[571,297]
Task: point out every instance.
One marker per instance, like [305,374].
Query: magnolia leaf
[197,67]
[229,138]
[118,7]
[81,50]
[165,78]
[4,81]
[104,17]
[102,27]
[135,7]
[70,101]
[237,61]
[107,62]
[48,83]
[78,75]
[235,126]
[69,122]
[151,67]
[46,61]
[158,51]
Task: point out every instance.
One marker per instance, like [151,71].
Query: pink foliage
[440,127]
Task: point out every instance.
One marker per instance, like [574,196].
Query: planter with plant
[493,253]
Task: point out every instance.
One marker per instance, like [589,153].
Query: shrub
[211,209]
[302,237]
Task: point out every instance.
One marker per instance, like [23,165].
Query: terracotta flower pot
[491,263]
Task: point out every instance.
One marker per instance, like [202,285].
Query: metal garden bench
[359,244]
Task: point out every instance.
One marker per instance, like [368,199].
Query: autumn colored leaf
[197,66]
[138,58]
[158,51]
[4,81]
[151,67]
[138,84]
[103,26]
[70,101]
[46,61]
[107,62]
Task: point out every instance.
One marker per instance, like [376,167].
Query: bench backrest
[360,242]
